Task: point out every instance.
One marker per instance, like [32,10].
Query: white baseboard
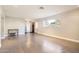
[21,34]
[59,37]
[3,37]
[0,44]
[0,41]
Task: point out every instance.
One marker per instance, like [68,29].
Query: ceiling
[34,11]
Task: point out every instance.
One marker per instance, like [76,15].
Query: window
[47,23]
[51,21]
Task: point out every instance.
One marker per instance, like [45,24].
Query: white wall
[28,26]
[68,27]
[28,23]
[14,23]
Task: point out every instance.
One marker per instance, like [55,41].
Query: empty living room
[39,28]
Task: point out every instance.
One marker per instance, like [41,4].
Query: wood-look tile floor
[35,43]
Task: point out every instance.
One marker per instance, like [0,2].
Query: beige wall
[68,25]
[0,21]
[0,26]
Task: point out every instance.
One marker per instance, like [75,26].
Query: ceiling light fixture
[41,7]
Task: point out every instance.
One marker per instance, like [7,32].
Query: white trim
[59,37]
[0,43]
[0,36]
[3,37]
[21,33]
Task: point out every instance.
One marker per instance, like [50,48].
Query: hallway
[36,43]
[37,29]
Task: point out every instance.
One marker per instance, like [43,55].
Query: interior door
[33,27]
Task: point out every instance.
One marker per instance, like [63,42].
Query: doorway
[33,27]
[29,27]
